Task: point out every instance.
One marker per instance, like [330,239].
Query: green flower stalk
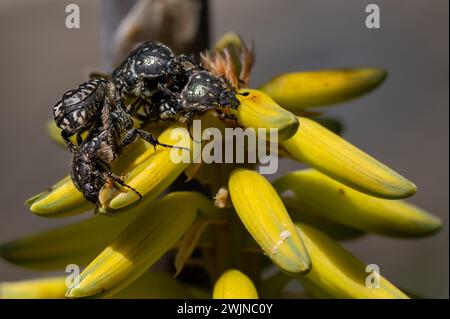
[242,224]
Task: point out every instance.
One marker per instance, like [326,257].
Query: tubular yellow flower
[229,39]
[42,288]
[294,222]
[61,200]
[138,246]
[321,195]
[263,214]
[154,174]
[151,285]
[233,284]
[296,91]
[327,152]
[301,214]
[338,273]
[77,243]
[258,110]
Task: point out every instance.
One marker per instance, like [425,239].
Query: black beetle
[203,92]
[151,63]
[79,109]
[90,169]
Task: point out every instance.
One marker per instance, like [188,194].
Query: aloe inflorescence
[244,224]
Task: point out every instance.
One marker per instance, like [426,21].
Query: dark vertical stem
[203,37]
[112,13]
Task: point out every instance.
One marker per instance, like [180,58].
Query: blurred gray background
[404,123]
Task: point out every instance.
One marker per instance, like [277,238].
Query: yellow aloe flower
[332,228]
[265,217]
[151,285]
[339,274]
[154,174]
[355,209]
[258,110]
[233,284]
[296,91]
[325,151]
[77,243]
[138,246]
[227,216]
[42,288]
[61,200]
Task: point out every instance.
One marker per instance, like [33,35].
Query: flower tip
[228,39]
[31,202]
[301,266]
[433,226]
[76,292]
[60,200]
[233,284]
[411,190]
[123,200]
[406,190]
[378,75]
[258,110]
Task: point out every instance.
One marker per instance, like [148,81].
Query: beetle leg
[66,138]
[173,96]
[134,134]
[107,122]
[131,108]
[116,179]
[188,118]
[79,139]
[110,176]
[189,127]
